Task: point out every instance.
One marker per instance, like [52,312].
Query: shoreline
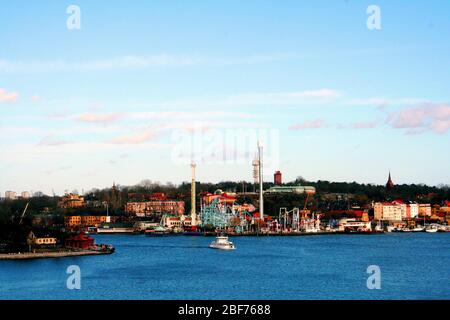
[31,255]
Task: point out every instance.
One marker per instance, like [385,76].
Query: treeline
[330,196]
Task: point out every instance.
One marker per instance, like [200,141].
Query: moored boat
[431,228]
[157,232]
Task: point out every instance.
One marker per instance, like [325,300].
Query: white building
[414,210]
[25,195]
[396,210]
[11,195]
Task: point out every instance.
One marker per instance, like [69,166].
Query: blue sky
[109,102]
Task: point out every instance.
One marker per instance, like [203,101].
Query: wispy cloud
[99,117]
[421,118]
[359,125]
[134,138]
[117,63]
[8,96]
[52,141]
[313,124]
[384,102]
[132,62]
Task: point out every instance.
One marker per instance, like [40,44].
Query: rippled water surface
[413,266]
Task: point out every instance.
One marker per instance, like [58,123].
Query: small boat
[157,232]
[390,228]
[431,228]
[418,229]
[222,243]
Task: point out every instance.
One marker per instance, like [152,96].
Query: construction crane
[305,210]
[23,213]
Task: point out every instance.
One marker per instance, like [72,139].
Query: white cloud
[421,118]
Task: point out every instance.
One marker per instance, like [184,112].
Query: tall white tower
[261,197]
[193,212]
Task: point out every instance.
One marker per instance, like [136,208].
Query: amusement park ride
[223,214]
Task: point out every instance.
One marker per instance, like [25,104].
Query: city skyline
[83,108]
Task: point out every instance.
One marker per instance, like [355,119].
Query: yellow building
[93,221]
[72,221]
[424,209]
[45,241]
[71,200]
[87,221]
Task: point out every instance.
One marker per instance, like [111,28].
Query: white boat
[390,228]
[431,228]
[222,243]
[418,229]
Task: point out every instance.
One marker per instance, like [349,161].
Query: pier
[40,255]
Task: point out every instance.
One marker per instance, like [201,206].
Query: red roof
[80,237]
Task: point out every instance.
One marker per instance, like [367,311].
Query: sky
[143,88]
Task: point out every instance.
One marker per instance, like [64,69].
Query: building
[10,195]
[87,221]
[70,200]
[412,210]
[154,208]
[277,178]
[25,195]
[176,222]
[425,209]
[79,241]
[396,210]
[227,198]
[388,211]
[72,221]
[292,189]
[46,241]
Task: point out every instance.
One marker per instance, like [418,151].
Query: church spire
[389,184]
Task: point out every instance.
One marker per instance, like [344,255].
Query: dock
[41,255]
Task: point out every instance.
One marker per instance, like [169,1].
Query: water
[413,266]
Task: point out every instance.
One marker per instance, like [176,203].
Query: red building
[277,178]
[224,198]
[80,241]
